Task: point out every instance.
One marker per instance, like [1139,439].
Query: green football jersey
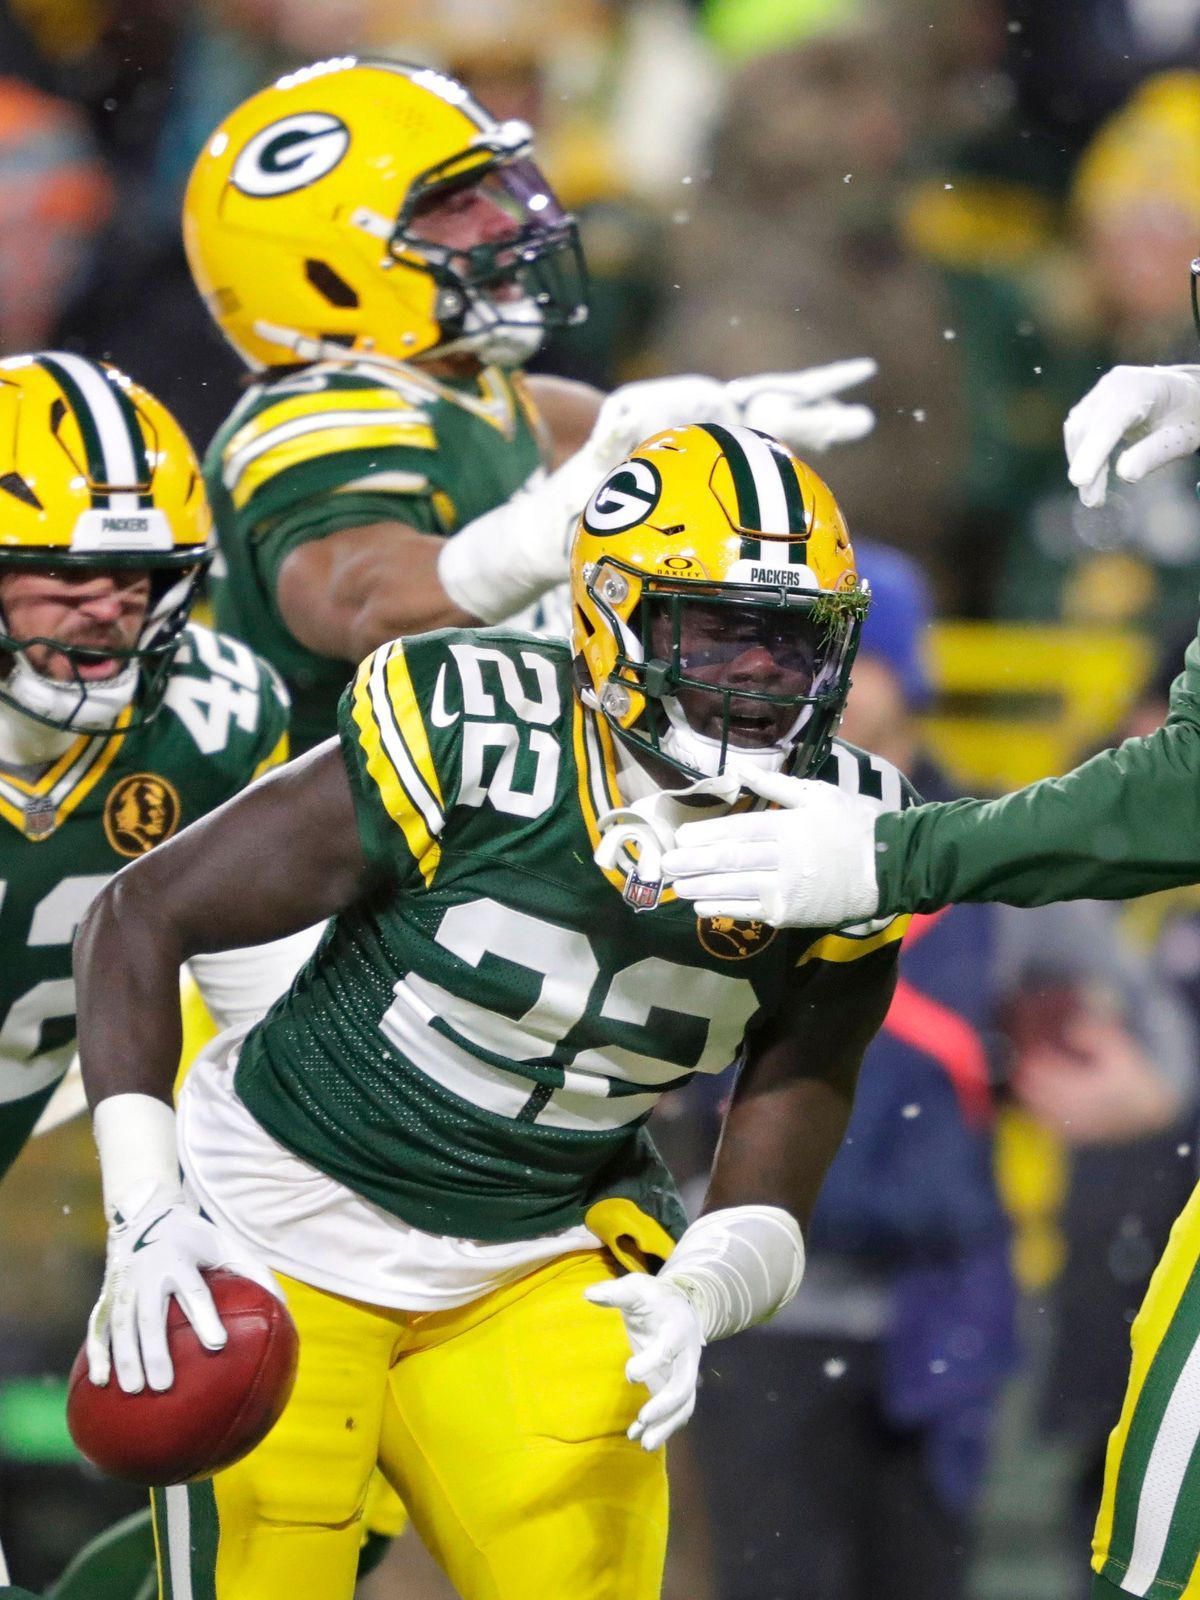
[481,1039]
[104,802]
[338,445]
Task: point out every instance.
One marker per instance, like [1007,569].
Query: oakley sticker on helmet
[290,154]
[626,497]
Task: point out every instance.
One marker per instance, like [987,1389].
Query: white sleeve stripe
[299,426]
[849,777]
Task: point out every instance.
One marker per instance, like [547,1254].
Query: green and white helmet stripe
[768,494]
[108,424]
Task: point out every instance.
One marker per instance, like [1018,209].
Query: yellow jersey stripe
[319,404]
[402,698]
[90,771]
[48,779]
[97,770]
[596,781]
[276,759]
[326,436]
[844,947]
[373,722]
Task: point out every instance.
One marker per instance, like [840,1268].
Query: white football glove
[809,865]
[797,407]
[664,1332]
[156,1247]
[800,408]
[1155,410]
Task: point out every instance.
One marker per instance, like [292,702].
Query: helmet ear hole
[331,285]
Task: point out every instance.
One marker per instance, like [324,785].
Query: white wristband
[738,1266]
[135,1137]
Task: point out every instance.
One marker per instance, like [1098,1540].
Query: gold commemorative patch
[730,939]
[142,811]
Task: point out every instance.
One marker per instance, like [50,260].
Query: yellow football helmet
[96,474]
[716,605]
[305,222]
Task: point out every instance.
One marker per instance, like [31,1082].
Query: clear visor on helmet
[741,672]
[483,222]
[748,668]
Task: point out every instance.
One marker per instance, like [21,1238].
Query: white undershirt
[308,1225]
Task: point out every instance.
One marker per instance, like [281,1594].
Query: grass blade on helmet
[104,538]
[717,607]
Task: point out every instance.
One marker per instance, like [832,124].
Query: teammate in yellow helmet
[121,720]
[385,255]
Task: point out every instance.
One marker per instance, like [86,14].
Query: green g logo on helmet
[290,154]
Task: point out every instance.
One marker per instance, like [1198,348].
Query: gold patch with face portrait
[142,811]
[731,939]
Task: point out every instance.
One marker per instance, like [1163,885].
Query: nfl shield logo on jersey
[640,894]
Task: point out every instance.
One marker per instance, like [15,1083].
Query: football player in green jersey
[384,255]
[437,1140]
[120,721]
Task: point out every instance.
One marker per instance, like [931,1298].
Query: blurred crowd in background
[998,200]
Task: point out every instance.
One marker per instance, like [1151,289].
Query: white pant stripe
[1169,1458]
[179,1541]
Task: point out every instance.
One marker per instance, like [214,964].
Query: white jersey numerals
[536,702]
[25,1067]
[209,707]
[684,1018]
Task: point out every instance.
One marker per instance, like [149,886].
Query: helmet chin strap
[92,711]
[701,754]
[505,335]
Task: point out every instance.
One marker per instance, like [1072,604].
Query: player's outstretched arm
[1125,823]
[279,857]
[744,1258]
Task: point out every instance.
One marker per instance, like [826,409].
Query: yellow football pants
[500,1424]
[1148,1532]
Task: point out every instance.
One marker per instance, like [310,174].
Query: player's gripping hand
[157,1245]
[802,408]
[810,864]
[1153,411]
[664,1332]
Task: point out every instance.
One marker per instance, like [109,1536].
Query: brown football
[222,1403]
